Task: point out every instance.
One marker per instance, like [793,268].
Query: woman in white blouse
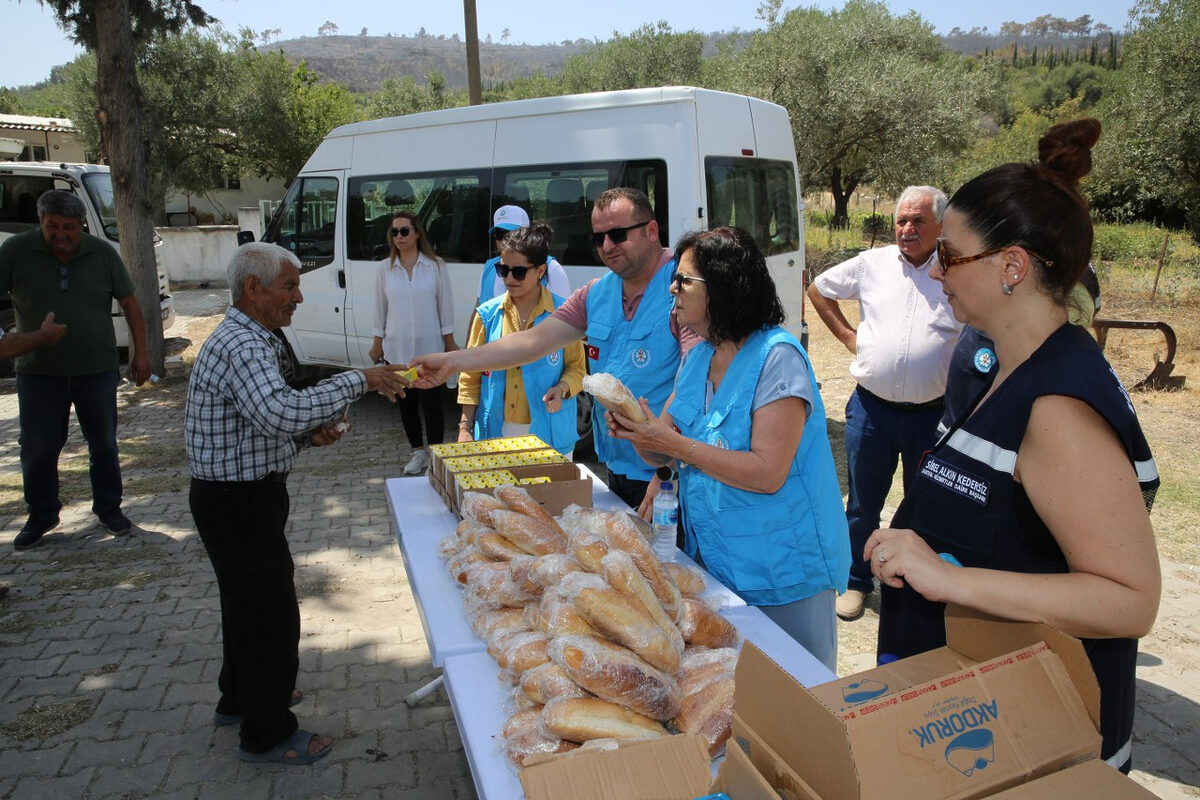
[414,314]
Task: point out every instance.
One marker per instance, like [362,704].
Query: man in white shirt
[902,348]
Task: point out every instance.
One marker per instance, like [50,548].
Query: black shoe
[35,528]
[117,523]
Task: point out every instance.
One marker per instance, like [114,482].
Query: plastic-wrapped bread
[548,570]
[617,674]
[626,622]
[534,537]
[505,587]
[558,616]
[613,395]
[623,575]
[479,506]
[708,712]
[523,736]
[607,743]
[702,665]
[581,719]
[523,651]
[449,547]
[623,534]
[689,579]
[545,682]
[496,547]
[486,621]
[468,529]
[699,624]
[587,549]
[521,501]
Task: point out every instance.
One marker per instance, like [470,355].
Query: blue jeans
[877,436]
[45,409]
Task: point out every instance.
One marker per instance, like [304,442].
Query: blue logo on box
[864,690]
[971,751]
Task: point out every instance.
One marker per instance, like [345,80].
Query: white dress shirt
[907,330]
[412,314]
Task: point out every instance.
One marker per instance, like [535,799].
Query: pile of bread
[601,641]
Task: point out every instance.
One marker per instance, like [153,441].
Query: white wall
[223,204]
[198,254]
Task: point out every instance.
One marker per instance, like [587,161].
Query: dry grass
[42,722]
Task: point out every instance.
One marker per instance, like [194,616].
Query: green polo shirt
[94,276]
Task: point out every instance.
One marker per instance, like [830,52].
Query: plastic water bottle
[666,515]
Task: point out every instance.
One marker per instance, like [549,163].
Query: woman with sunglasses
[414,314]
[538,397]
[1035,505]
[758,491]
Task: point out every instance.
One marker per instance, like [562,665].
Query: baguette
[587,550]
[496,547]
[523,651]
[547,681]
[623,575]
[460,564]
[708,713]
[523,737]
[521,501]
[613,395]
[488,621]
[689,579]
[479,506]
[615,673]
[623,534]
[557,616]
[581,719]
[534,537]
[626,622]
[549,570]
[700,625]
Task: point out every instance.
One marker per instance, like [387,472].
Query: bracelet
[463,425]
[690,460]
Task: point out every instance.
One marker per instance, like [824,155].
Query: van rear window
[757,195]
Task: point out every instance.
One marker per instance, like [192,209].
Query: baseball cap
[509,218]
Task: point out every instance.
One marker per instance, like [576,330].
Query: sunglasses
[518,273]
[947,261]
[616,235]
[405,231]
[685,280]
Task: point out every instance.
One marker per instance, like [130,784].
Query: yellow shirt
[516,404]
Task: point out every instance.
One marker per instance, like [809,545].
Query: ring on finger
[882,558]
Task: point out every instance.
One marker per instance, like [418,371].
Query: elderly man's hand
[52,331]
[387,380]
[326,434]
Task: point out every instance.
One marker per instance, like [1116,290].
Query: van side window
[305,221]
[452,206]
[562,195]
[757,195]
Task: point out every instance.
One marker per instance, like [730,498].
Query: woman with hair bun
[538,397]
[1035,505]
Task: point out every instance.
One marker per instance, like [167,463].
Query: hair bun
[1067,148]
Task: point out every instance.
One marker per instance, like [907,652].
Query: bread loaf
[545,682]
[689,579]
[496,547]
[460,564]
[617,674]
[699,624]
[523,651]
[701,666]
[550,569]
[558,616]
[622,574]
[623,534]
[587,550]
[581,719]
[485,622]
[626,622]
[468,529]
[708,712]
[479,506]
[534,537]
[521,501]
[613,395]
[524,736]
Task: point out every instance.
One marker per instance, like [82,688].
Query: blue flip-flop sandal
[298,741]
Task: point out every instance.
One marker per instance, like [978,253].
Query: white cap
[509,218]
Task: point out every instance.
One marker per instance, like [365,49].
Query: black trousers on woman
[429,401]
[242,526]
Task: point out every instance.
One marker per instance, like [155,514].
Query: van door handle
[341,279]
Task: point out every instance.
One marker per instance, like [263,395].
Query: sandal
[298,742]
[235,719]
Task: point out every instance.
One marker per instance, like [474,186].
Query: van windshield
[100,190]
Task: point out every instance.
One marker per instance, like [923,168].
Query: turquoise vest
[560,429]
[775,548]
[642,352]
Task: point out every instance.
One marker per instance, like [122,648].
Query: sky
[33,42]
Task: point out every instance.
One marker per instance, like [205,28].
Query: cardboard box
[1003,703]
[673,768]
[740,780]
[567,485]
[1090,779]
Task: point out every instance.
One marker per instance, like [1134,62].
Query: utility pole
[473,87]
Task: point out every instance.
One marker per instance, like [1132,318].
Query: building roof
[23,123]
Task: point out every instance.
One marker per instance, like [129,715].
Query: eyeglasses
[62,274]
[947,261]
[616,235]
[517,272]
[685,280]
[405,231]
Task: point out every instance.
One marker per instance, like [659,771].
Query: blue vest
[559,429]
[642,352]
[774,548]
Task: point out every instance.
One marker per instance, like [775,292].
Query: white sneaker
[418,463]
[850,605]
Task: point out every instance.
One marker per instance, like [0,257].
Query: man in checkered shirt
[243,428]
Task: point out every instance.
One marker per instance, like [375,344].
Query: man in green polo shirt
[60,268]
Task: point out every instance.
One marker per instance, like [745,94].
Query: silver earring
[1006,288]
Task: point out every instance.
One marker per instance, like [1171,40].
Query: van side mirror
[245,237]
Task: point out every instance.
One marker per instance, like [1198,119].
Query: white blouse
[413,314]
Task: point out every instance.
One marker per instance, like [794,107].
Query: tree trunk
[119,113]
[474,90]
[841,187]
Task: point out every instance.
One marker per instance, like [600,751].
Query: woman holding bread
[538,397]
[758,492]
[1035,505]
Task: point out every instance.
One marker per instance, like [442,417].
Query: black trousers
[242,527]
[429,401]
[631,490]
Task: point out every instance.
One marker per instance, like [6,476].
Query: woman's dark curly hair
[741,294]
[1038,206]
[532,242]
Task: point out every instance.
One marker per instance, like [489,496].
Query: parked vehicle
[22,182]
[704,158]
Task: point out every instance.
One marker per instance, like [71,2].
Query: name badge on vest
[984,360]
[956,480]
